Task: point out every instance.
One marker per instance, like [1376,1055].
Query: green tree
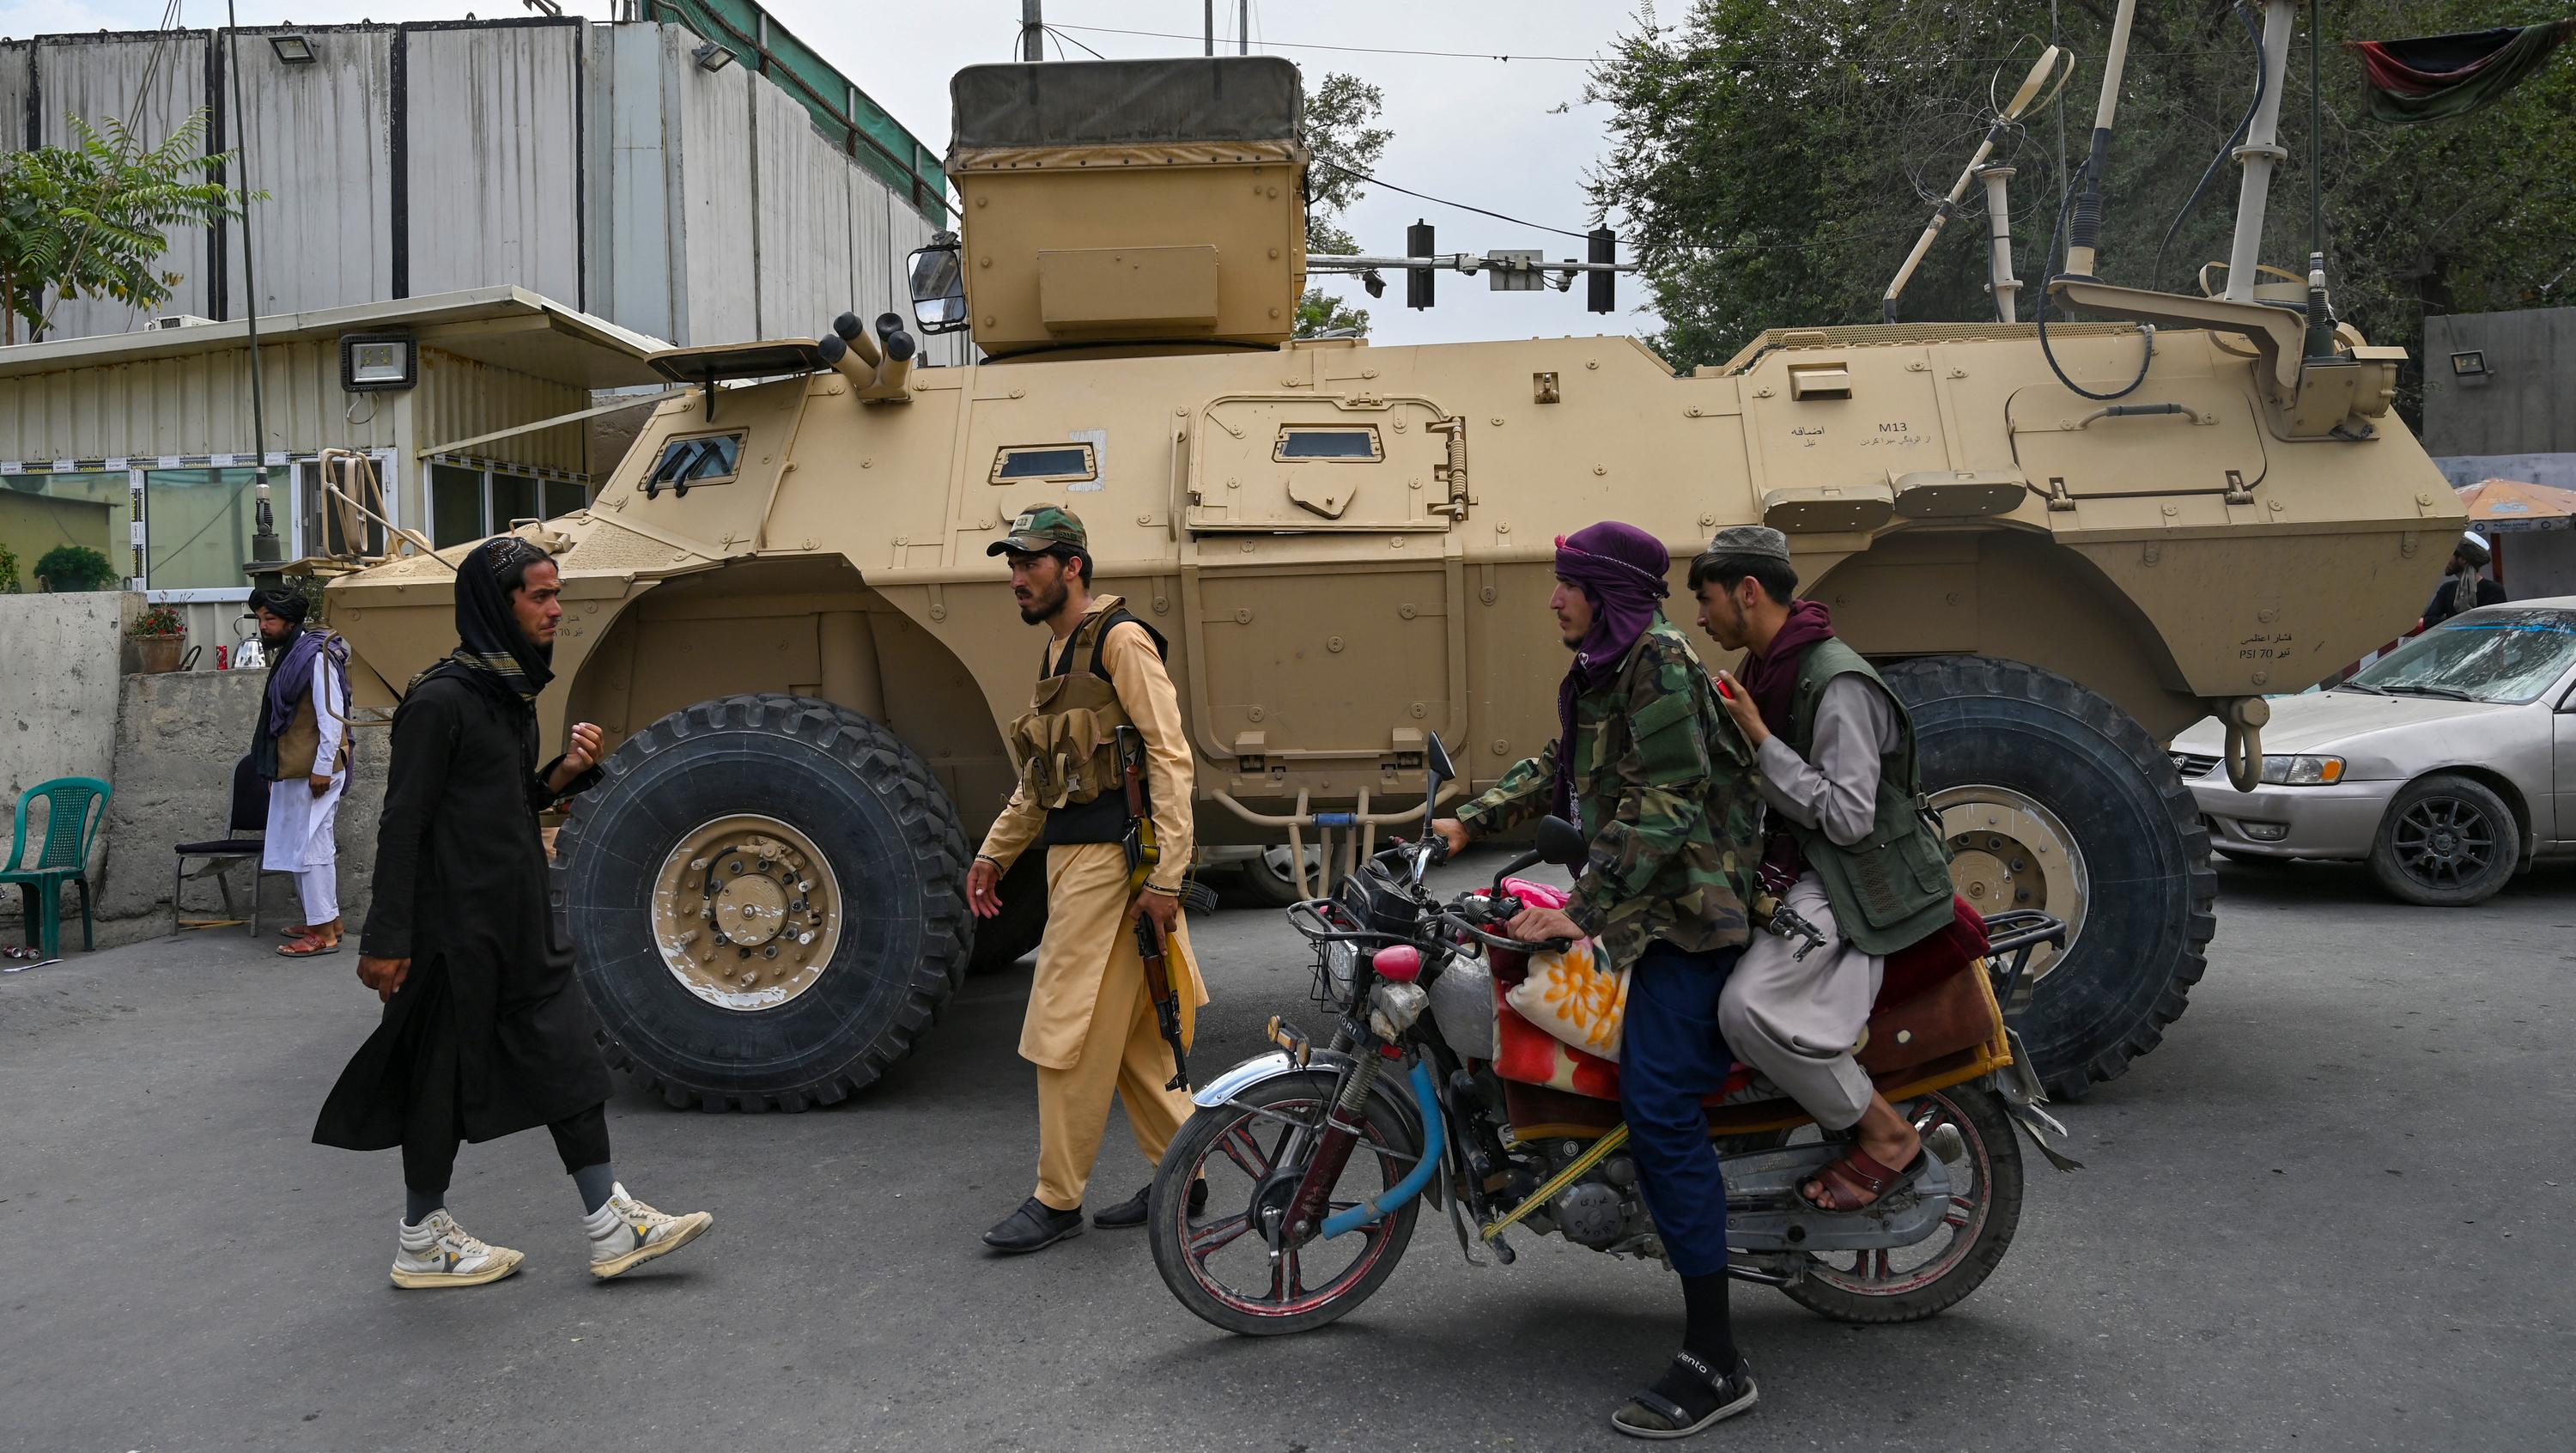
[1340,134]
[87,220]
[1773,167]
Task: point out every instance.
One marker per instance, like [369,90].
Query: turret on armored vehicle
[780,610]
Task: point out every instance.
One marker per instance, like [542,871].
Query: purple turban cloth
[1620,569]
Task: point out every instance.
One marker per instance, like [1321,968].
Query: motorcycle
[1316,1158]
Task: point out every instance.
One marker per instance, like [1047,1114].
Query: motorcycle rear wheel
[1909,1283]
[1252,1151]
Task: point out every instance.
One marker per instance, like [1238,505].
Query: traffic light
[1600,289]
[1417,280]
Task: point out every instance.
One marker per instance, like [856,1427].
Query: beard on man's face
[1042,603]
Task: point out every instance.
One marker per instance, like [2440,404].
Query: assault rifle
[1142,853]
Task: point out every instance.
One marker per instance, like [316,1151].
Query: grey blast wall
[167,743]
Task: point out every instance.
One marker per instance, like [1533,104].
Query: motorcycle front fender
[1390,1090]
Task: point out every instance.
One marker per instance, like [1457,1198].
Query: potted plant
[158,635]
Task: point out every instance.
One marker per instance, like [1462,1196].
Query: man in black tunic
[485,1033]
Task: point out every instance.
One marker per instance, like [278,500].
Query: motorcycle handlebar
[1495,940]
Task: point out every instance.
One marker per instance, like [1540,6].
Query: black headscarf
[489,642]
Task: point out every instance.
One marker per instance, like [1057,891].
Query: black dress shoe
[1033,1227]
[1131,1212]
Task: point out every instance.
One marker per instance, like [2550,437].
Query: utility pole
[1032,32]
[1243,27]
[267,552]
[1211,27]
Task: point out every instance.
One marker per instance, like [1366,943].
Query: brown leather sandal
[1859,1180]
[308,948]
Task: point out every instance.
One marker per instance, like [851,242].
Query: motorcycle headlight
[1341,966]
[2302,771]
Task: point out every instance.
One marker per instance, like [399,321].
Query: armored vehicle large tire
[767,902]
[2053,798]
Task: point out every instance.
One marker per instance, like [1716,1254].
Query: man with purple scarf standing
[1648,764]
[302,748]
[1851,852]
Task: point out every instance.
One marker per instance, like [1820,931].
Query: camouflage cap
[1759,542]
[1041,528]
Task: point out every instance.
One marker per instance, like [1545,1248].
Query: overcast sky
[1481,131]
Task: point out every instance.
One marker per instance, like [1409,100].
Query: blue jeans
[1671,1056]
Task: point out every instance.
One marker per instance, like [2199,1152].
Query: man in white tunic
[1849,853]
[302,747]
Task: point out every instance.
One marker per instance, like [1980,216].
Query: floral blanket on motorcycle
[1558,1026]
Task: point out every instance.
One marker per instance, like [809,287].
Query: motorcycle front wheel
[1252,1151]
[1909,1283]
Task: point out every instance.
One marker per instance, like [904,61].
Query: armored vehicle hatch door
[2173,436]
[1318,553]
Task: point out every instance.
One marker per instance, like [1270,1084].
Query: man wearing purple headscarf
[1647,762]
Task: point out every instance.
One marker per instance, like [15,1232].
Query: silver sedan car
[2446,764]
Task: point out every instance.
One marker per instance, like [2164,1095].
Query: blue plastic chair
[76,806]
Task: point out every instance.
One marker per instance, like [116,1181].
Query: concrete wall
[167,744]
[177,738]
[58,711]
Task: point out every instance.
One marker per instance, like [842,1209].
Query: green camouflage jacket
[1663,784]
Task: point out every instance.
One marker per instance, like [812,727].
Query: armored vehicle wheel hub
[2009,852]
[746,912]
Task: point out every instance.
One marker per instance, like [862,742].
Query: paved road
[2332,1212]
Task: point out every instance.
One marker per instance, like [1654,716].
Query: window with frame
[469,502]
[1339,443]
[42,512]
[700,459]
[197,527]
[1044,464]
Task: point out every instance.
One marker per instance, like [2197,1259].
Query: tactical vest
[1065,746]
[1892,888]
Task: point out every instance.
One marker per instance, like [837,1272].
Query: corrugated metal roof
[573,349]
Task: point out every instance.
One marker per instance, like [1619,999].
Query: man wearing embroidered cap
[1850,852]
[1091,1028]
[1648,765]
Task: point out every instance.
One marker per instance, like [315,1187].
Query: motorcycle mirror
[1438,756]
[1562,843]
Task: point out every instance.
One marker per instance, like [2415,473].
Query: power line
[1580,60]
[1585,236]
[1060,36]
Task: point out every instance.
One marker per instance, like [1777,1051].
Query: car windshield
[2500,654]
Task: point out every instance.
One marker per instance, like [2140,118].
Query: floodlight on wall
[293,49]
[2470,364]
[376,362]
[712,57]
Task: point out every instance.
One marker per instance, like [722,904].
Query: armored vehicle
[781,612]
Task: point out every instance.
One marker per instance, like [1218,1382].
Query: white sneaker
[440,1253]
[625,1233]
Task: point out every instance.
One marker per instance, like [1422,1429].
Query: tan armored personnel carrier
[781,612]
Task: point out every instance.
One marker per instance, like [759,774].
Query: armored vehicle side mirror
[1561,842]
[939,286]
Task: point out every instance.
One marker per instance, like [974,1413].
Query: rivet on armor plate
[1254,712]
[1420,711]
[1144,519]
[1406,611]
[1600,469]
[1161,604]
[1333,643]
[1592,363]
[1502,748]
[1243,616]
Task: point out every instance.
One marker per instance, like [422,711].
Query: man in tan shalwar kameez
[1091,1028]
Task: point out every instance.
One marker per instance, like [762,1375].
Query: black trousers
[430,1131]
